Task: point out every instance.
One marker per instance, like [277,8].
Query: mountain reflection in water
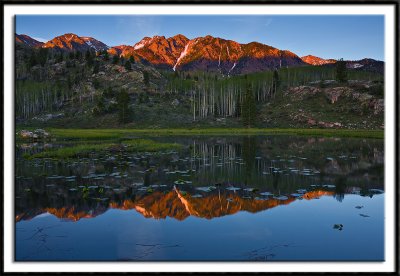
[249,174]
[177,204]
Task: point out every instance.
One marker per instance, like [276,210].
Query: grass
[84,150]
[85,134]
[89,134]
[70,152]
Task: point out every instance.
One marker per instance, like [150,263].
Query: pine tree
[123,107]
[78,55]
[33,59]
[248,108]
[275,82]
[341,72]
[128,66]
[105,55]
[42,56]
[115,59]
[146,78]
[131,60]
[100,107]
[89,58]
[59,58]
[96,67]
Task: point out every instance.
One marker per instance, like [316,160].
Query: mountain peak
[313,60]
[27,41]
[179,36]
[73,42]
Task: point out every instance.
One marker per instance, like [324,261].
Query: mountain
[169,204]
[158,50]
[26,40]
[313,60]
[209,54]
[366,64]
[122,50]
[71,42]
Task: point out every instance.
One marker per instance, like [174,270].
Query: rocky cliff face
[211,54]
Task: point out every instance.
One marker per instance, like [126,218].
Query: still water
[264,198]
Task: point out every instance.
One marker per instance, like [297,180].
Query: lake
[240,198]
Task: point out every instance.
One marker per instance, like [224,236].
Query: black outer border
[394,3]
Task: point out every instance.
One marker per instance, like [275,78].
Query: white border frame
[388,266]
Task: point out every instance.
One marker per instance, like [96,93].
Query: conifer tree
[249,108]
[33,59]
[146,78]
[123,107]
[89,58]
[42,56]
[341,72]
[128,66]
[115,59]
[105,55]
[96,67]
[275,82]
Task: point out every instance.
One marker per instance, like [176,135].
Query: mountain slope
[366,64]
[209,54]
[28,41]
[71,42]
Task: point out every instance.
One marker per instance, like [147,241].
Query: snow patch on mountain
[138,46]
[143,42]
[183,54]
[355,65]
[234,64]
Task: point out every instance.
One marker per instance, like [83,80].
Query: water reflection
[210,177]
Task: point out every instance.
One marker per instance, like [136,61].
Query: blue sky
[340,36]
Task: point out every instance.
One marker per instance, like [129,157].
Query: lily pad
[338,227]
[364,216]
[233,189]
[204,189]
[281,197]
[55,177]
[376,191]
[329,186]
[180,182]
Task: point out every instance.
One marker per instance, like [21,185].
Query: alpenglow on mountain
[179,53]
